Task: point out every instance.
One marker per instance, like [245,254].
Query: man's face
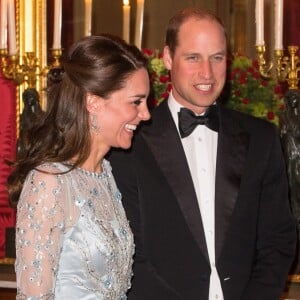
[198,66]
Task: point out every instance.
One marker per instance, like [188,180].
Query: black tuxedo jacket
[254,230]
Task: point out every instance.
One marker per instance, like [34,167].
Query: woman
[73,240]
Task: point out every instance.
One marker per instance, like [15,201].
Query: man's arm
[275,247]
[146,283]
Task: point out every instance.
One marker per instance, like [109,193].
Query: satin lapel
[231,155]
[162,137]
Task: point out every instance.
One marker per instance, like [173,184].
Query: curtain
[291,22]
[7,152]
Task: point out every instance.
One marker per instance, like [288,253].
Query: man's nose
[206,69]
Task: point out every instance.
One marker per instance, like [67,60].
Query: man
[208,206]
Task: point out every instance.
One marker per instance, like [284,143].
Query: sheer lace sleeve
[42,218]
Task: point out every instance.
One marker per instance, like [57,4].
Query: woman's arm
[39,232]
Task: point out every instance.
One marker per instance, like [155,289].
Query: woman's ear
[92,103]
[167,58]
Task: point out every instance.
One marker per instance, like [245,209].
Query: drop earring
[94,124]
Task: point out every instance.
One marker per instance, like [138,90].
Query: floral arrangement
[159,78]
[246,90]
[252,94]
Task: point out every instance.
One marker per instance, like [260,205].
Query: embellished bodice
[73,240]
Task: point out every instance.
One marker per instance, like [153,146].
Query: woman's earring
[94,124]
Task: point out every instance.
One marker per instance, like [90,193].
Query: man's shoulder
[245,121]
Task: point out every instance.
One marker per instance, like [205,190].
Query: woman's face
[119,115]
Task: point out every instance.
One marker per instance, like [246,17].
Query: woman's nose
[144,113]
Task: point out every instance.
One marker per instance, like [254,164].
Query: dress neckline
[102,174]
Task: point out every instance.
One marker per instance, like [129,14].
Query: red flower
[164,78]
[270,115]
[153,76]
[165,95]
[251,70]
[245,101]
[277,89]
[255,64]
[264,83]
[256,75]
[243,78]
[148,52]
[169,87]
[235,71]
[237,93]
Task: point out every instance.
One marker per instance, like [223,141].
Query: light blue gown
[73,240]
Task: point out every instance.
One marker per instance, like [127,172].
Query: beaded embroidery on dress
[73,240]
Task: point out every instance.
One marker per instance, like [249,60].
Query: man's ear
[167,58]
[92,103]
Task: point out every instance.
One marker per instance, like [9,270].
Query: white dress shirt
[200,148]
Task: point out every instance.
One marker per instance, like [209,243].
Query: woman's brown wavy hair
[98,65]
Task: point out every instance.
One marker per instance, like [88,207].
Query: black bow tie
[188,120]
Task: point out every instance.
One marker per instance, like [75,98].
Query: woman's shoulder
[50,172]
[53,168]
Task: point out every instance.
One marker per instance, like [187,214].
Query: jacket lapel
[161,137]
[233,145]
[231,155]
